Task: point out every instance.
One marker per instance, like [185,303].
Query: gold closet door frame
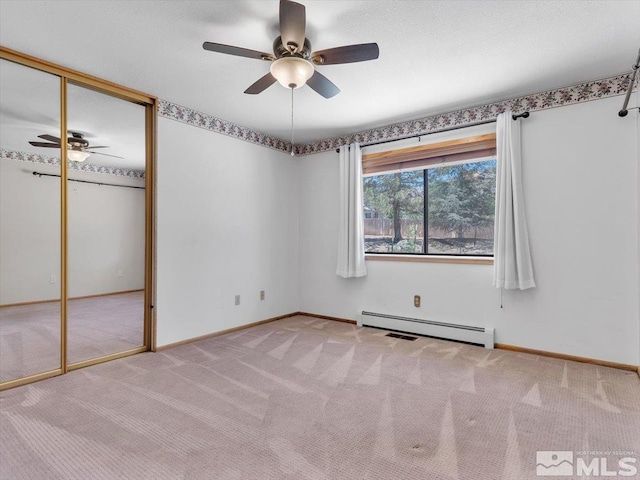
[150,103]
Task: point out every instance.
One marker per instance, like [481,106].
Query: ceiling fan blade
[293,22]
[105,154]
[51,138]
[323,85]
[261,85]
[46,145]
[237,51]
[346,54]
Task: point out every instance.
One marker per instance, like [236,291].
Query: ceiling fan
[293,62]
[78,148]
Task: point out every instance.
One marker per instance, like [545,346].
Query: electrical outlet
[52,279]
[119,273]
[261,294]
[416,300]
[237,299]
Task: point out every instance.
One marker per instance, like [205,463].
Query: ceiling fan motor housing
[77,140]
[280,50]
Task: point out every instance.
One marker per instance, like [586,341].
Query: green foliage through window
[460,202]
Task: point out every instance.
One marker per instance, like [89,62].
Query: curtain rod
[515,117]
[624,111]
[40,174]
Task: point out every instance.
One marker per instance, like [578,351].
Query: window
[449,187]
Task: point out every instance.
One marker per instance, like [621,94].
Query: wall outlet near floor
[416,300]
[261,294]
[119,273]
[237,299]
[52,279]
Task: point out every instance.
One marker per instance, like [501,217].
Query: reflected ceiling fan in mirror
[78,148]
[293,62]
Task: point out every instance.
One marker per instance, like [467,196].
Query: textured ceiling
[435,56]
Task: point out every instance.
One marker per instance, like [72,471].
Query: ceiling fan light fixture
[292,72]
[77,155]
[293,59]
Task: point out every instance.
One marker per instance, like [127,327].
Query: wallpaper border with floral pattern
[75,166]
[582,92]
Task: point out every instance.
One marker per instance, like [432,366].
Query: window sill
[394,257]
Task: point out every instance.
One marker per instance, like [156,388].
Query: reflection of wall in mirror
[105,235]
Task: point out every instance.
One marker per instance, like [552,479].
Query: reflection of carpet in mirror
[98,326]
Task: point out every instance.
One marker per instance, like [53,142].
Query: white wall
[227,225]
[581,187]
[105,236]
[29,233]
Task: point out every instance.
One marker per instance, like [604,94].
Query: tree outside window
[460,203]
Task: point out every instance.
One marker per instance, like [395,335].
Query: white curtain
[512,268]
[351,229]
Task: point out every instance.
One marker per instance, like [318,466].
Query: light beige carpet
[97,326]
[305,398]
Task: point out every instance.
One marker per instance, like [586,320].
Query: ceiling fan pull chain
[292,151]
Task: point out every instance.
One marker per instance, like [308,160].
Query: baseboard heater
[451,331]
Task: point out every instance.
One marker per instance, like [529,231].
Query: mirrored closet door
[30,214]
[76,220]
[105,224]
